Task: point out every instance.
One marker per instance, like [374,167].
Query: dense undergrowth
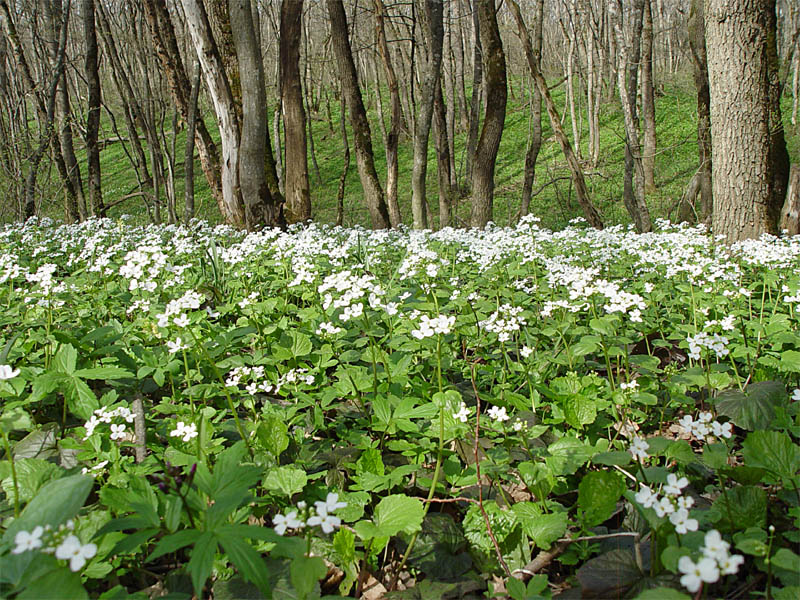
[506,413]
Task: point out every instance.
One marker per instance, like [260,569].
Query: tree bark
[188,161]
[434,37]
[442,158]
[296,187]
[697,44]
[494,66]
[581,191]
[532,155]
[93,116]
[362,140]
[477,94]
[743,167]
[648,101]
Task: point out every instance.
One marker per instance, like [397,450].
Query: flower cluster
[175,310]
[716,343]
[108,417]
[716,561]
[705,428]
[672,504]
[184,431]
[505,321]
[429,327]
[61,542]
[257,380]
[320,514]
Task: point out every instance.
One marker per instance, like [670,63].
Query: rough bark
[434,37]
[93,116]
[165,44]
[362,140]
[443,158]
[633,188]
[697,44]
[648,101]
[532,155]
[188,161]
[494,66]
[296,187]
[477,93]
[790,215]
[581,191]
[392,141]
[743,170]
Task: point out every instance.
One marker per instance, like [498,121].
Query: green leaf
[15,419]
[741,504]
[567,455]
[663,593]
[199,567]
[80,398]
[286,480]
[105,373]
[247,560]
[174,542]
[579,411]
[65,359]
[32,474]
[773,451]
[301,344]
[66,582]
[615,457]
[538,477]
[755,407]
[790,361]
[305,572]
[681,451]
[598,493]
[786,559]
[272,434]
[545,529]
[398,513]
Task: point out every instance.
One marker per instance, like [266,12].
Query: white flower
[638,448]
[729,565]
[117,431]
[525,351]
[696,573]
[71,549]
[796,395]
[498,413]
[645,496]
[289,521]
[6,372]
[722,430]
[181,321]
[324,520]
[176,346]
[28,541]
[331,503]
[680,518]
[184,431]
[632,386]
[675,485]
[715,547]
[664,507]
[462,414]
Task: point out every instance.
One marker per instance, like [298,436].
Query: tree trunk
[188,161]
[532,154]
[362,140]
[477,95]
[648,101]
[434,36]
[494,66]
[790,215]
[93,116]
[393,134]
[442,158]
[581,191]
[744,174]
[697,44]
[166,46]
[296,188]
[633,191]
[232,208]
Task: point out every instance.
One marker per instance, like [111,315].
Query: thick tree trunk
[532,155]
[296,188]
[362,140]
[166,46]
[494,66]
[477,94]
[434,37]
[93,116]
[581,191]
[743,169]
[697,43]
[633,191]
[219,89]
[648,101]
[442,158]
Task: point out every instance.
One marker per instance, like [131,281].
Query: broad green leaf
[301,344]
[174,542]
[305,573]
[65,359]
[32,474]
[15,420]
[398,513]
[67,583]
[740,504]
[579,411]
[614,457]
[790,361]
[286,480]
[663,593]
[246,560]
[773,451]
[755,407]
[567,455]
[106,373]
[272,435]
[80,398]
[199,567]
[681,451]
[598,494]
[545,529]
[786,559]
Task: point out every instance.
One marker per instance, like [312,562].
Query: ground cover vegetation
[508,412]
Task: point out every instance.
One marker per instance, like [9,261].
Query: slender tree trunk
[581,191]
[477,94]
[648,101]
[532,154]
[362,141]
[93,116]
[345,166]
[743,168]
[296,188]
[494,65]
[633,192]
[393,134]
[442,158]
[434,36]
[188,162]
[697,43]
